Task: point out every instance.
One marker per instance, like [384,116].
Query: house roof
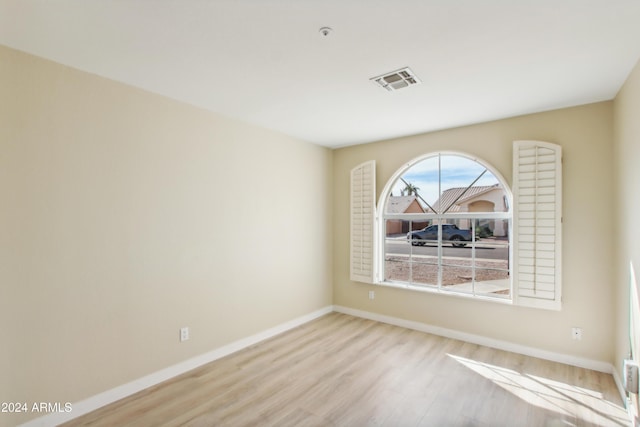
[450,195]
[267,62]
[399,204]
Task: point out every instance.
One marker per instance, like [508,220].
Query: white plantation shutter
[537,223]
[363,196]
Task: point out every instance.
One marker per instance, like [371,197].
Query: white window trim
[375,276]
[381,218]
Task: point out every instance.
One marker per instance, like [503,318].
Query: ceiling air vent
[396,79]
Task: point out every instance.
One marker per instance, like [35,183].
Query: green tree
[410,190]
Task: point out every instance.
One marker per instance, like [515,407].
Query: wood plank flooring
[340,370]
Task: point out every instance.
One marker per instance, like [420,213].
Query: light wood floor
[345,371]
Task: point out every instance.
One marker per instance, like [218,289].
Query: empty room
[319,213]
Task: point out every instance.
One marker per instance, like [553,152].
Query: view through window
[447,225]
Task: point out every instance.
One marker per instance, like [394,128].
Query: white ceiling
[265,61]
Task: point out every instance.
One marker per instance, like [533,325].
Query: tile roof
[399,204]
[450,195]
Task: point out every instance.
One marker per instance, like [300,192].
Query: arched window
[445,225]
[448,222]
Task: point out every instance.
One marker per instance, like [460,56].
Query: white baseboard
[92,403]
[620,386]
[99,400]
[481,340]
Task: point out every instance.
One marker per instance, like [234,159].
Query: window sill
[434,290]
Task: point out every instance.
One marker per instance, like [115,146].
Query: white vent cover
[396,79]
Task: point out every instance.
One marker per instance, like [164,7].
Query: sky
[457,171]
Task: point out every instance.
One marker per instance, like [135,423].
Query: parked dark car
[450,232]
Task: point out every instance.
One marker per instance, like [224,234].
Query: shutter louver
[537,223]
[363,194]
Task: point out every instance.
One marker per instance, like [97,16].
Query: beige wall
[627,181]
[126,216]
[585,134]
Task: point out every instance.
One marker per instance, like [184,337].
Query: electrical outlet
[576,334]
[184,334]
[372,294]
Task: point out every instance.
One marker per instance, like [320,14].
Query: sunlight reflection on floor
[583,404]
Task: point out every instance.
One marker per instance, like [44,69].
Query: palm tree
[410,189]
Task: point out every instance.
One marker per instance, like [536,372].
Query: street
[483,251]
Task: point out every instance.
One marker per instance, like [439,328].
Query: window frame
[535,192]
[382,217]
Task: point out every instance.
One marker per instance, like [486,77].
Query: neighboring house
[476,199]
[403,204]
